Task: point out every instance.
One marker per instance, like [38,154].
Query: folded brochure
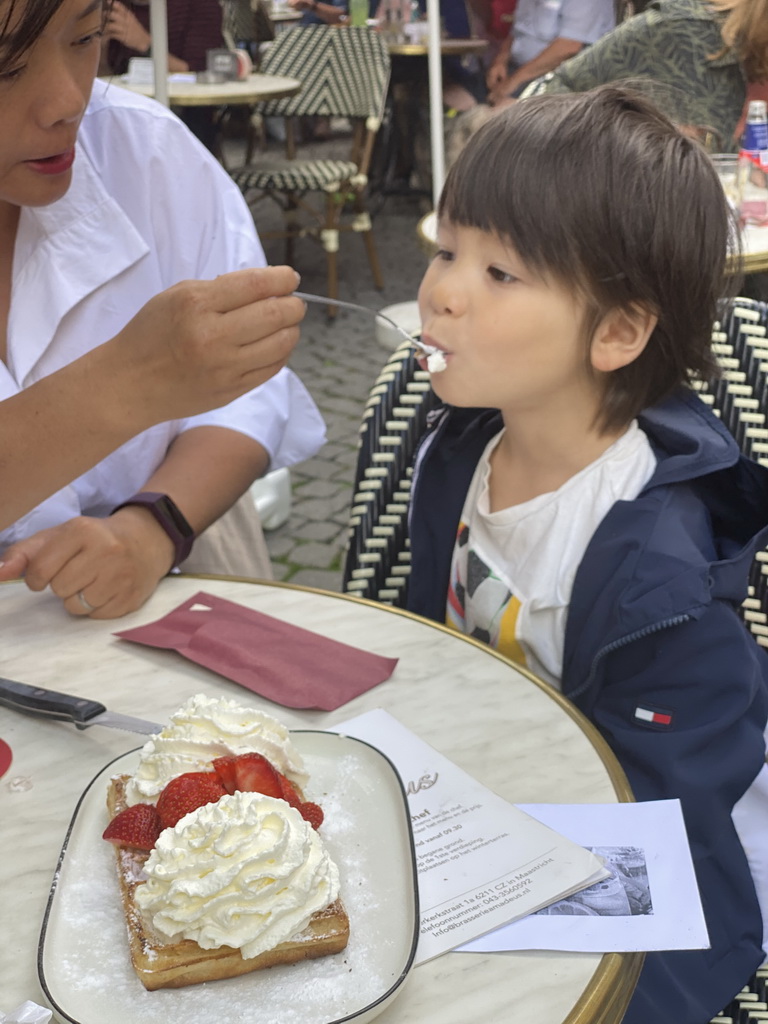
[481,861]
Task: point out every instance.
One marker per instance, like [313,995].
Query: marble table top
[510,731]
[253,89]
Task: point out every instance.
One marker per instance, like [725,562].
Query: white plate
[83,961]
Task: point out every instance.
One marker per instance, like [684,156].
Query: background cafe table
[755,245]
[253,89]
[511,732]
[448,48]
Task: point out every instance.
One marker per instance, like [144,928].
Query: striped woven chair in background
[344,73]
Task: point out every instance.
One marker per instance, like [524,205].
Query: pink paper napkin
[287,664]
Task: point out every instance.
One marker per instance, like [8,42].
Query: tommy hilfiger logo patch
[654,716]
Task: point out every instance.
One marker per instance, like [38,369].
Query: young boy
[576,506]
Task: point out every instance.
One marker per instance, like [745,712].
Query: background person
[106,200]
[316,13]
[697,57]
[544,34]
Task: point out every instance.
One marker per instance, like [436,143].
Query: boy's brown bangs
[491,188]
[523,159]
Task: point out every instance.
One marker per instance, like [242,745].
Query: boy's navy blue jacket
[653,623]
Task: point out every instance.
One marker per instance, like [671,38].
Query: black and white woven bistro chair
[395,417]
[344,73]
[740,398]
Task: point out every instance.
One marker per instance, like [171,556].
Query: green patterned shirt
[668,52]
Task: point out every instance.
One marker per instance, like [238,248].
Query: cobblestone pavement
[338,363]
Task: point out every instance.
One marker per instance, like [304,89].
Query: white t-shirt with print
[512,571]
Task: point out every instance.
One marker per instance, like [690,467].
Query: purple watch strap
[169,516]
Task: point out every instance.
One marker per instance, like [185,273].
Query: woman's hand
[192,348]
[124,26]
[201,344]
[115,563]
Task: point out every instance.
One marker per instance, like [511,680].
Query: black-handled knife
[34,700]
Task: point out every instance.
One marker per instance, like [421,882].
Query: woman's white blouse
[148,207]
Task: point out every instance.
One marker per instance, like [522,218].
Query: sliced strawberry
[186,793]
[225,769]
[137,826]
[312,813]
[288,791]
[255,774]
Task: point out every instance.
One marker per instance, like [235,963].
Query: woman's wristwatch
[169,516]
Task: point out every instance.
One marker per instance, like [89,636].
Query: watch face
[170,517]
[169,508]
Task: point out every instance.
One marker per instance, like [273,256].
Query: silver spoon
[427,350]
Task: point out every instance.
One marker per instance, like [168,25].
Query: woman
[696,56]
[106,200]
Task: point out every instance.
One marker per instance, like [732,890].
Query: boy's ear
[620,337]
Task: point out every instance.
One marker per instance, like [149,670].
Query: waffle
[163,963]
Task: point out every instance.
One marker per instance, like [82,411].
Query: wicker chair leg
[370,245]
[290,221]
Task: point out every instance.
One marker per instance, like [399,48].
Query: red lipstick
[58,164]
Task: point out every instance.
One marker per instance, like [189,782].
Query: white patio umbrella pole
[158,29]
[435,100]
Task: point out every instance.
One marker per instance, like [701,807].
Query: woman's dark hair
[600,192]
[21,23]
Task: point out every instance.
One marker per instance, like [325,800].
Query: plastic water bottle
[753,165]
[754,141]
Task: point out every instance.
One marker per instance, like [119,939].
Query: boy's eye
[443,254]
[501,275]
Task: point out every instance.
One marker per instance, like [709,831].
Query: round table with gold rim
[509,730]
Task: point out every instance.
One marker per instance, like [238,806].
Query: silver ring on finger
[85,603]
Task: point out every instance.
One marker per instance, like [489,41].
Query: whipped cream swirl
[205,728]
[247,871]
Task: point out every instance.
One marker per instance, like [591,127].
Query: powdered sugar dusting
[87,963]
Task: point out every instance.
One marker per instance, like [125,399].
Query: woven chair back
[740,398]
[395,418]
[344,72]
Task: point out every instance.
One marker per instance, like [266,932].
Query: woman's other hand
[114,563]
